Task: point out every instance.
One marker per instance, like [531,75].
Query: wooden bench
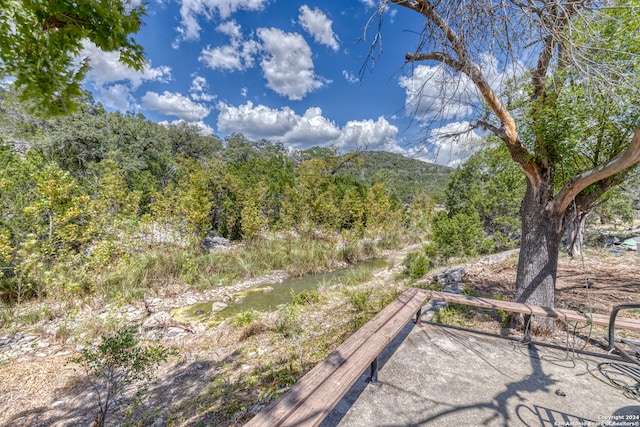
[533,310]
[311,399]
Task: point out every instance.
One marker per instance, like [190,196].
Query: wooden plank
[534,310]
[277,413]
[329,393]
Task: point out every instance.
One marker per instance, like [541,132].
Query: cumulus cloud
[434,92]
[117,96]
[310,129]
[114,81]
[452,144]
[316,23]
[287,63]
[203,128]
[236,56]
[373,135]
[191,10]
[175,104]
[257,121]
[105,68]
[199,89]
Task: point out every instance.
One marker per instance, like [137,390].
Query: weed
[416,265]
[244,318]
[287,322]
[305,297]
[359,300]
[358,275]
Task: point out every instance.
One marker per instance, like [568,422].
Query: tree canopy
[41,41]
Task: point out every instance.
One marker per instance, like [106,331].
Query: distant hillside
[404,176]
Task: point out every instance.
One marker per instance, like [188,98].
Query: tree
[41,41]
[571,120]
[489,184]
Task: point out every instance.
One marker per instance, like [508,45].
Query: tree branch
[627,158]
[508,132]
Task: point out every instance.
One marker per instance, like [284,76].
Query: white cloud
[105,68]
[191,10]
[244,91]
[437,93]
[117,96]
[287,64]
[114,81]
[175,104]
[350,77]
[433,93]
[199,89]
[255,121]
[236,56]
[203,128]
[375,135]
[316,23]
[312,128]
[369,3]
[452,144]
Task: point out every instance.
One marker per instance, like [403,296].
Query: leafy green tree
[490,184]
[185,206]
[252,213]
[570,122]
[458,234]
[59,223]
[41,40]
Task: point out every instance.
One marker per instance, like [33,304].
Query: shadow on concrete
[437,395]
[336,415]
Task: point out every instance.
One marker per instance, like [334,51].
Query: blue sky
[287,71]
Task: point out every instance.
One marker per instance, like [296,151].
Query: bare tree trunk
[575,234]
[538,261]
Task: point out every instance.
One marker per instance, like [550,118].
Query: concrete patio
[436,375]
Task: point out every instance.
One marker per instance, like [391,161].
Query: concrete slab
[435,375]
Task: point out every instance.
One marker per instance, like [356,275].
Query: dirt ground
[593,283]
[48,391]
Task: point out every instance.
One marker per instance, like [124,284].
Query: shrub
[117,362]
[416,265]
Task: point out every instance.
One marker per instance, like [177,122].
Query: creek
[269,296]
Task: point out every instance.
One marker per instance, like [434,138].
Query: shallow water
[271,295]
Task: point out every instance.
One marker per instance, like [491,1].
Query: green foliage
[305,297]
[491,184]
[117,362]
[457,235]
[42,39]
[287,322]
[244,318]
[416,265]
[403,176]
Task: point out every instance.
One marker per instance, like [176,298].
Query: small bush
[359,300]
[287,322]
[416,265]
[119,361]
[244,318]
[305,297]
